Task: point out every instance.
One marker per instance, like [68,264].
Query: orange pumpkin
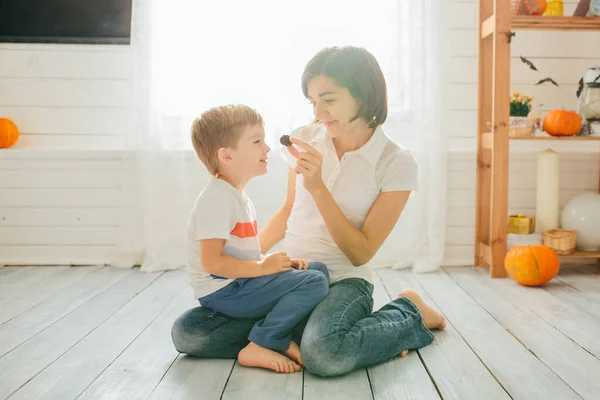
[532,265]
[534,7]
[562,123]
[528,7]
[8,133]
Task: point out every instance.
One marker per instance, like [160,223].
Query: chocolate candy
[285,140]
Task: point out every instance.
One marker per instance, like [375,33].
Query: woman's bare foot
[293,353]
[431,318]
[254,355]
[404,353]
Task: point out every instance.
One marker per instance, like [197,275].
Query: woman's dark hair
[357,70]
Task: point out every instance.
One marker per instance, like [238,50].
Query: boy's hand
[275,263]
[299,264]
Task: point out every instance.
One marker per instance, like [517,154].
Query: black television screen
[65,21]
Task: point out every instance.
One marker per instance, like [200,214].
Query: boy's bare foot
[254,355]
[293,353]
[405,352]
[431,318]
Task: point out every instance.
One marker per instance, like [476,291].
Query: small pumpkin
[9,133]
[562,123]
[532,265]
[534,7]
[528,7]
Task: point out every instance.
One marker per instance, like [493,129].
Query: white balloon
[582,213]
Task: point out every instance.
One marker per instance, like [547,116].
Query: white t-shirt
[355,181]
[221,212]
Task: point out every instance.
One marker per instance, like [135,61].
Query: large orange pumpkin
[562,123]
[8,133]
[532,265]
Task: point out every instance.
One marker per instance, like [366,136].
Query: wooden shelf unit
[491,219]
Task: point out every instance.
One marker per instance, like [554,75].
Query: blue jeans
[281,301]
[341,335]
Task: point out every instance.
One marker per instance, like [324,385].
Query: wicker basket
[562,241]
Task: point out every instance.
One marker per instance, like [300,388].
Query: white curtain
[190,55]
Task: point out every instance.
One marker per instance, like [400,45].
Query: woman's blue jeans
[342,333]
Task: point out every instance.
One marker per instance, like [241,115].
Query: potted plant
[522,122]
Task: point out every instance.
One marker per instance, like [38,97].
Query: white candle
[548,186]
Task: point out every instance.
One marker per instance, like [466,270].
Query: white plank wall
[60,185]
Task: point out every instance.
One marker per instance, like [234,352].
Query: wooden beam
[487,140]
[484,157]
[485,253]
[488,27]
[501,92]
[537,23]
[484,116]
[559,138]
[582,254]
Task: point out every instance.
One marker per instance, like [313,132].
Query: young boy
[228,271]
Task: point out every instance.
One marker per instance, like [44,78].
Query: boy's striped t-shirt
[221,212]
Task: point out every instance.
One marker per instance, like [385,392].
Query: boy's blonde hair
[221,127]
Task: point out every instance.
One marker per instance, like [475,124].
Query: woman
[345,195]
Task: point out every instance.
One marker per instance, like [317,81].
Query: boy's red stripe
[245,229]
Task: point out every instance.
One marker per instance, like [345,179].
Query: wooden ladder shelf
[491,220]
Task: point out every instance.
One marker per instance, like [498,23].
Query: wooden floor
[99,332]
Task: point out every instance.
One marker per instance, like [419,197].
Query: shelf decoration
[532,265]
[588,106]
[562,241]
[582,213]
[562,123]
[548,189]
[522,121]
[528,7]
[587,8]
[517,239]
[521,224]
[9,133]
[555,8]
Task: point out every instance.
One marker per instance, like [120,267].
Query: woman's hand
[309,165]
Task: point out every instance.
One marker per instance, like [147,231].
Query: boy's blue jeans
[341,335]
[281,301]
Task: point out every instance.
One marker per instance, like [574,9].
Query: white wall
[59,186]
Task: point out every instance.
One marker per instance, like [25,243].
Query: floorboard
[254,383]
[399,377]
[36,319]
[102,332]
[38,292]
[138,370]
[78,367]
[194,378]
[501,352]
[576,324]
[455,368]
[536,334]
[36,354]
